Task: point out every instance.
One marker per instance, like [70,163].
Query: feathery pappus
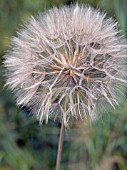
[68,62]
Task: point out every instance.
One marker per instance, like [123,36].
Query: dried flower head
[68,62]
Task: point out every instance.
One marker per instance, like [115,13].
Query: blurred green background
[24,145]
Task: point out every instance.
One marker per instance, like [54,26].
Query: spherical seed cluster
[68,62]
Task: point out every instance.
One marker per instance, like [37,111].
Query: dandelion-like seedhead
[68,62]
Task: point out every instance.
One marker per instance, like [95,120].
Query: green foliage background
[24,145]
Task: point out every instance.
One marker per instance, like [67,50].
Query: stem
[60,146]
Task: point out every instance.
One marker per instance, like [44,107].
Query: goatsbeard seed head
[68,62]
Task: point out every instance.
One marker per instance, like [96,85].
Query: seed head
[68,62]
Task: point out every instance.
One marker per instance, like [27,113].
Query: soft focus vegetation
[24,145]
